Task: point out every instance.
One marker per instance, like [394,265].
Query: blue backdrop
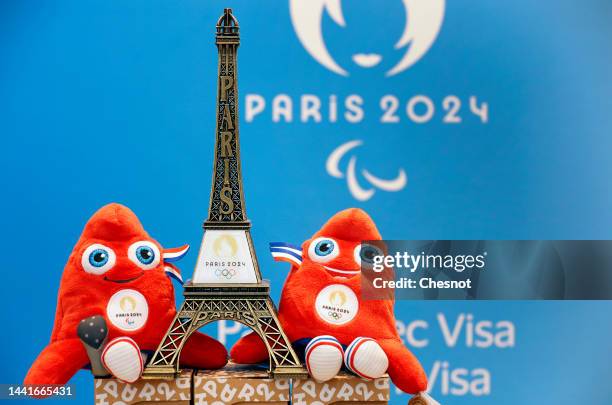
[106,101]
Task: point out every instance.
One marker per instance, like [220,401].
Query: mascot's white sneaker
[122,358]
[366,358]
[324,357]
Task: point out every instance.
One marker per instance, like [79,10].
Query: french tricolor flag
[170,256]
[173,272]
[175,254]
[286,252]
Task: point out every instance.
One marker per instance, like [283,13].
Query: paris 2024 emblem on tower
[227,283]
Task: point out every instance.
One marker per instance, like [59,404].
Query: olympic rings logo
[225,273]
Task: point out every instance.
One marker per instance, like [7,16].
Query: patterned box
[238,385]
[109,391]
[344,389]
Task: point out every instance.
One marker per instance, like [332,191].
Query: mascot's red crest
[114,247]
[337,245]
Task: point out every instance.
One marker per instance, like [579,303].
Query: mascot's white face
[422,22]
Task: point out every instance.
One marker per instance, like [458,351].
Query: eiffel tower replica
[227,283]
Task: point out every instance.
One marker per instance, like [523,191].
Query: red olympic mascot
[115,304]
[323,315]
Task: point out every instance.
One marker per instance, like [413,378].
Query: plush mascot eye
[144,254]
[365,254]
[323,250]
[98,259]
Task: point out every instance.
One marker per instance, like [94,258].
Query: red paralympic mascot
[116,303]
[323,315]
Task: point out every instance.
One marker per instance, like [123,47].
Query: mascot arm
[202,351]
[249,349]
[404,369]
[57,363]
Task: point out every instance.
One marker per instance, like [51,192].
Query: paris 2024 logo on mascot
[322,312]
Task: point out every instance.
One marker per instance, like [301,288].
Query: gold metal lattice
[205,305]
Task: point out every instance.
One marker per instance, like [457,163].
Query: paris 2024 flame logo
[423,22]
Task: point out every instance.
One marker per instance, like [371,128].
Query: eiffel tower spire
[227,254]
[227,208]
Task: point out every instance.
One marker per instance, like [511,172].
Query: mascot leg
[366,358]
[249,349]
[57,363]
[202,351]
[93,333]
[404,369]
[323,357]
[122,358]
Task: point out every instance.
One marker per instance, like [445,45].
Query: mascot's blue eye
[368,253]
[365,255]
[325,247]
[323,250]
[98,258]
[145,254]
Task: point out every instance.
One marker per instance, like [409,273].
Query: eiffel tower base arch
[249,304]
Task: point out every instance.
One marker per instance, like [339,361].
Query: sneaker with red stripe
[122,358]
[366,358]
[324,357]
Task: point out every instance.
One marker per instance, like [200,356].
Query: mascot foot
[422,399]
[122,358]
[324,357]
[93,332]
[366,358]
